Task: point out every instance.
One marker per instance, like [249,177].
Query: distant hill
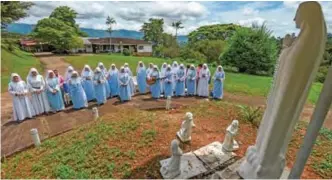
[27,28]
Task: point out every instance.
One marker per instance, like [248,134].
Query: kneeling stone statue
[172,168]
[229,143]
[186,128]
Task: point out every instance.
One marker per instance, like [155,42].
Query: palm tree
[109,22]
[177,25]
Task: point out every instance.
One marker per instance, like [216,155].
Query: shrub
[170,52]
[321,74]
[251,50]
[188,53]
[126,52]
[251,114]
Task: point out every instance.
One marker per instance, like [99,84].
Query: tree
[169,47]
[109,22]
[57,33]
[251,50]
[67,15]
[177,25]
[60,29]
[12,11]
[213,32]
[153,31]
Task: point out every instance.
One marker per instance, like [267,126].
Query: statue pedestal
[182,139]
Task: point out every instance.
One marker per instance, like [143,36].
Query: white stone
[190,167]
[184,133]
[35,137]
[213,155]
[171,168]
[298,65]
[168,102]
[95,113]
[229,142]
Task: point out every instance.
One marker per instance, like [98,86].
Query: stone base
[190,166]
[182,139]
[212,155]
[229,172]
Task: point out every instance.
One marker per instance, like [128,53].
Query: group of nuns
[39,96]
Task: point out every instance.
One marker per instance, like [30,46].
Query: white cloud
[131,15]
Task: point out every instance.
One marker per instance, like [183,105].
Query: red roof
[118,41]
[28,42]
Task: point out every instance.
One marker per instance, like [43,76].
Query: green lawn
[234,83]
[17,61]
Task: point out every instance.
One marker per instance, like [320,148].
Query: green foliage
[213,32]
[64,172]
[153,31]
[190,54]
[211,49]
[327,133]
[126,52]
[177,25]
[251,114]
[12,11]
[251,50]
[321,74]
[59,29]
[109,22]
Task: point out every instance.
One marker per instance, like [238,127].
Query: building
[136,46]
[32,45]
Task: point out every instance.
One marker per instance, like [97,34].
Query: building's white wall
[146,48]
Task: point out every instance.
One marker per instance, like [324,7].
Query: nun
[180,79]
[36,85]
[124,89]
[87,83]
[53,92]
[68,73]
[168,82]
[148,73]
[99,86]
[113,80]
[155,88]
[105,74]
[162,75]
[191,81]
[218,85]
[22,107]
[76,92]
[131,81]
[203,83]
[141,77]
[174,72]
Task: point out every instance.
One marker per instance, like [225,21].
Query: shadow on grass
[149,170]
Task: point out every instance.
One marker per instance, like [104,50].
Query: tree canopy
[60,29]
[12,11]
[109,22]
[251,50]
[213,32]
[153,31]
[177,25]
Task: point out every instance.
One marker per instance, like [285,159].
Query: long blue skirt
[168,87]
[155,89]
[55,100]
[100,91]
[179,88]
[191,87]
[89,90]
[125,93]
[218,91]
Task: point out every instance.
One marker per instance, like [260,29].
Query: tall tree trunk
[176,33]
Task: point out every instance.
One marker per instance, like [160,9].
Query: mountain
[27,28]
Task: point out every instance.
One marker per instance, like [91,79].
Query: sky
[278,15]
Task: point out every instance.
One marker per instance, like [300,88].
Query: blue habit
[77,94]
[191,82]
[218,87]
[114,83]
[179,86]
[168,84]
[107,86]
[55,100]
[155,88]
[100,89]
[141,80]
[124,89]
[89,89]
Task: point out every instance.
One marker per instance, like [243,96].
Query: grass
[17,61]
[116,146]
[234,83]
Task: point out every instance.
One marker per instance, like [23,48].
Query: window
[140,47]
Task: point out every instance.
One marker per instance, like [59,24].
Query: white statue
[229,143]
[95,113]
[186,128]
[172,168]
[168,102]
[298,65]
